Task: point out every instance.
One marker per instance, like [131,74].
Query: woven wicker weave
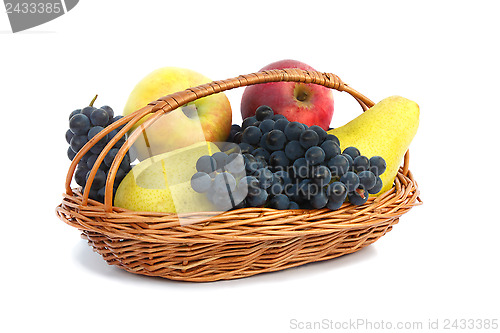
[236,243]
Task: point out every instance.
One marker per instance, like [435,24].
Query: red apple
[310,104]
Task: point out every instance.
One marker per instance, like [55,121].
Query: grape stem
[93,100]
[361,193]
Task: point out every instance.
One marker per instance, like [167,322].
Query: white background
[439,262]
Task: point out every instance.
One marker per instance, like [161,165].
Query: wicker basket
[235,243]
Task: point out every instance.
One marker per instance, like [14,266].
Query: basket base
[230,260]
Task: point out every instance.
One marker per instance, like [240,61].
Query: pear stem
[92,102]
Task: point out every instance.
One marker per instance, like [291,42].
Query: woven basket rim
[246,224]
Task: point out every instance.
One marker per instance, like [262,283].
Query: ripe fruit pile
[281,155]
[84,124]
[288,165]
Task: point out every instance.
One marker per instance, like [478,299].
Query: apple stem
[92,102]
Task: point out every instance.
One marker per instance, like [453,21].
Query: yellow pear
[162,183]
[206,119]
[384,130]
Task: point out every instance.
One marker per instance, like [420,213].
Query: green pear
[162,183]
[385,130]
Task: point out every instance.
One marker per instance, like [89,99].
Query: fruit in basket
[84,124]
[384,130]
[205,119]
[162,183]
[309,104]
[286,165]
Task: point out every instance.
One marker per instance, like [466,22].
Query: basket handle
[171,102]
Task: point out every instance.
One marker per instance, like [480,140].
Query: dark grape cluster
[222,177]
[84,124]
[289,165]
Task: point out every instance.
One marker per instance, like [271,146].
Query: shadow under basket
[236,243]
